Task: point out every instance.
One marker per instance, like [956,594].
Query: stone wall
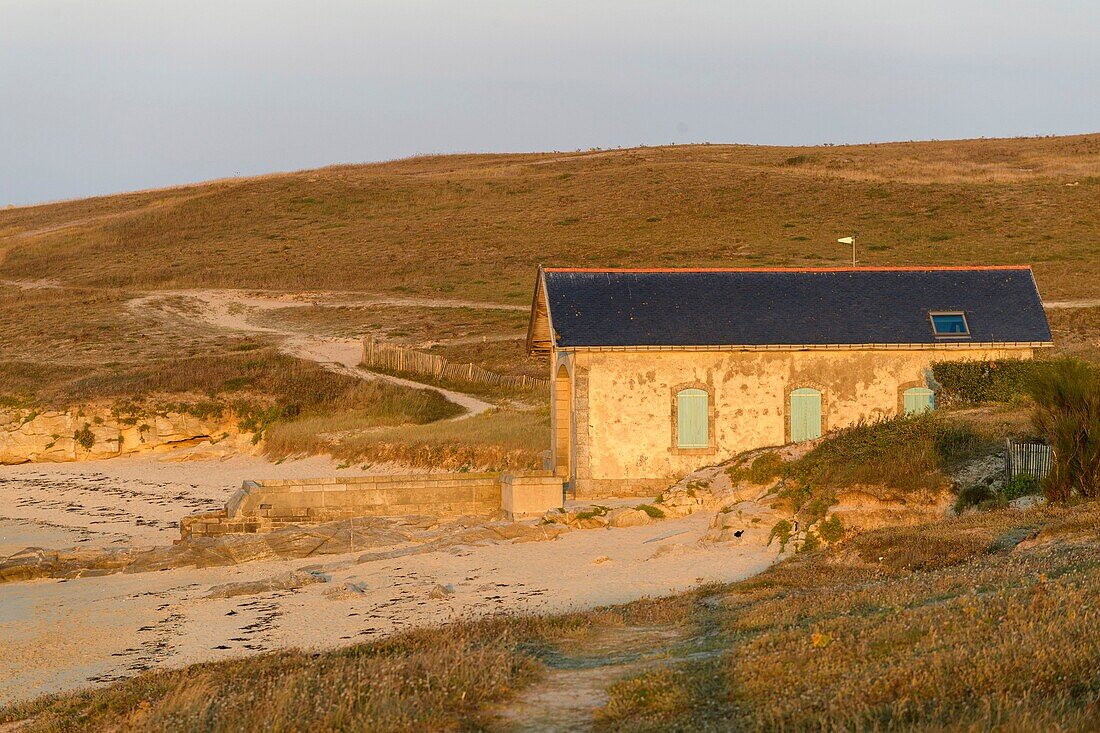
[262,506]
[527,495]
[95,432]
[624,404]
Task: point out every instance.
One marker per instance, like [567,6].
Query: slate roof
[716,307]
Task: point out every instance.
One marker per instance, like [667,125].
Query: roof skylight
[949,324]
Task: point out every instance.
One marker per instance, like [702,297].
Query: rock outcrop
[870,507]
[628,517]
[96,432]
[745,522]
[291,580]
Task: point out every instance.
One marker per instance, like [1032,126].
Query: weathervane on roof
[852,241]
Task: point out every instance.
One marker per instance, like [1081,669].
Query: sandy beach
[65,634]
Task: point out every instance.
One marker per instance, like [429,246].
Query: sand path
[230,310]
[1080,303]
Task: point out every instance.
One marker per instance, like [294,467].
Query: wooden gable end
[540,339]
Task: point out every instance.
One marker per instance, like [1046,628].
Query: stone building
[658,372]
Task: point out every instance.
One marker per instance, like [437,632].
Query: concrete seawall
[262,506]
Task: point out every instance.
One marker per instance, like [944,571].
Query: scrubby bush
[764,468]
[781,531]
[973,496]
[1022,484]
[977,382]
[1067,414]
[652,511]
[810,542]
[84,437]
[596,511]
[831,529]
[904,453]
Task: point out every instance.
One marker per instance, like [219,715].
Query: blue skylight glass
[950,324]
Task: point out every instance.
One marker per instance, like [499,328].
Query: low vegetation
[1067,413]
[1076,331]
[495,440]
[966,383]
[976,623]
[528,395]
[260,385]
[904,453]
[404,324]
[503,357]
[89,327]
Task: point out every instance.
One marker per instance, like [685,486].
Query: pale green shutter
[919,399]
[692,421]
[805,414]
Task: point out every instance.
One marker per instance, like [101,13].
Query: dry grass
[260,382]
[408,325]
[476,225]
[950,626]
[421,681]
[89,326]
[503,357]
[906,454]
[495,440]
[1076,331]
[940,627]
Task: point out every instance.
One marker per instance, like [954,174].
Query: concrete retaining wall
[261,506]
[523,496]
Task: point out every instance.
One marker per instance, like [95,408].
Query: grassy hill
[476,225]
[75,276]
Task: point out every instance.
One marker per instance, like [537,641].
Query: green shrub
[816,507]
[782,530]
[906,453]
[1022,484]
[831,529]
[597,511]
[84,437]
[977,382]
[765,468]
[973,496]
[1067,414]
[652,511]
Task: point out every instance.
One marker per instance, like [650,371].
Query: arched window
[692,418]
[918,399]
[805,414]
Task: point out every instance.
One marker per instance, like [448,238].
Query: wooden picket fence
[1027,457]
[402,359]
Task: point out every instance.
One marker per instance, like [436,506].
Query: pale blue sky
[99,96]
